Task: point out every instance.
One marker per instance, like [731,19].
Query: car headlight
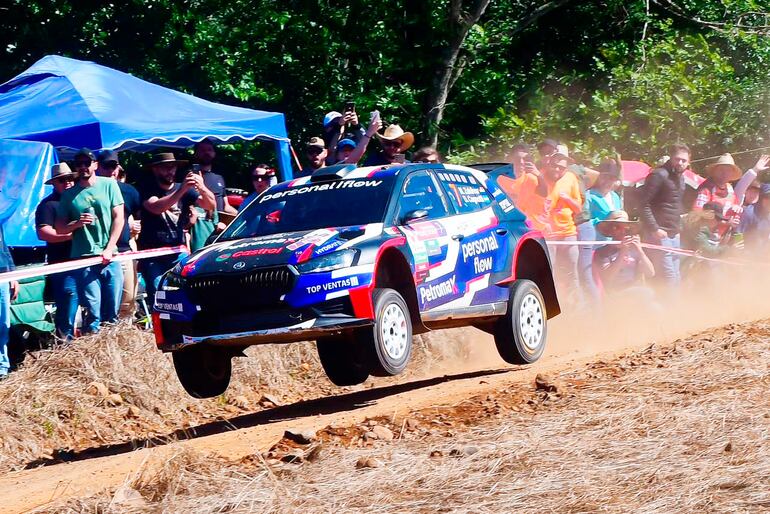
[335,260]
[172,282]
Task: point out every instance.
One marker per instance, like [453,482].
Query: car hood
[273,250]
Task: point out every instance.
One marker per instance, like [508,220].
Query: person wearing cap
[262,177]
[168,212]
[561,192]
[108,166]
[344,148]
[545,149]
[660,203]
[316,155]
[393,142]
[624,266]
[755,225]
[92,211]
[338,126]
[62,286]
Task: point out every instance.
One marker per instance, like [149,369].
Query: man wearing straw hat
[394,142]
[168,211]
[58,249]
[717,188]
[623,266]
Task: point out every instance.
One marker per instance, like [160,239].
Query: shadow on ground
[328,405]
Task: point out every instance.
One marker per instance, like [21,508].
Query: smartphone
[196,168]
[399,158]
[350,106]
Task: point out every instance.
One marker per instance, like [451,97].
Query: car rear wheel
[389,341]
[520,335]
[204,371]
[342,360]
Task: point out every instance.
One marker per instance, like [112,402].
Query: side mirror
[415,215]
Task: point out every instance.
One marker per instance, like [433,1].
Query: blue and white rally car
[359,259]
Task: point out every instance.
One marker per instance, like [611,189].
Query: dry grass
[48,405]
[680,429]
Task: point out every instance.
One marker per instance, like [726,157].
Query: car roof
[376,172]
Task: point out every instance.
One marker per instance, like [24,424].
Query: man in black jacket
[661,208]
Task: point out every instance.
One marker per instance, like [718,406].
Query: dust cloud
[722,295]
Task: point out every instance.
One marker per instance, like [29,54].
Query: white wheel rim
[531,322]
[394,332]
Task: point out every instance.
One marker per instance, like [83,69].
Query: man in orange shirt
[561,191]
[521,189]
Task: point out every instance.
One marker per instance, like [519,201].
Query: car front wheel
[204,371]
[389,341]
[520,335]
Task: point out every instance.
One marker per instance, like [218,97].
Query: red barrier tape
[50,269]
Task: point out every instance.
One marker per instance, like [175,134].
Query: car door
[484,243]
[428,239]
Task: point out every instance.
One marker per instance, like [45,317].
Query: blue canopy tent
[73,104]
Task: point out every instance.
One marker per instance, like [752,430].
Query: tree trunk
[460,22]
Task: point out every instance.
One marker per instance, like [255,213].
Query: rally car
[359,260]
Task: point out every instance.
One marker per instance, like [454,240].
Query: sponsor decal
[482,265]
[239,265]
[333,286]
[315,237]
[328,247]
[256,251]
[479,247]
[176,307]
[342,184]
[223,257]
[432,292]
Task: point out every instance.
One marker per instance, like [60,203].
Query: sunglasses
[260,177]
[64,180]
[83,162]
[111,165]
[314,150]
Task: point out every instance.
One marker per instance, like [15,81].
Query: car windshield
[310,206]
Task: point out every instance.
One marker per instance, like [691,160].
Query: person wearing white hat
[394,141]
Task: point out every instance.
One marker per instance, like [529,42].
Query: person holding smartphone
[338,126]
[624,266]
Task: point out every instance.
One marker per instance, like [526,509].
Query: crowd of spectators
[672,238]
[598,250]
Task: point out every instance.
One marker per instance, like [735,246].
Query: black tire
[342,360]
[204,371]
[520,335]
[389,342]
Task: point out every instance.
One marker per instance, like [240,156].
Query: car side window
[465,192]
[420,191]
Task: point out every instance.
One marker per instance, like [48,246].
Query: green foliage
[583,72]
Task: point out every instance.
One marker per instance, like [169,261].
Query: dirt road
[246,435]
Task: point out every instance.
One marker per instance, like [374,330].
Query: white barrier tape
[50,269]
[677,251]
